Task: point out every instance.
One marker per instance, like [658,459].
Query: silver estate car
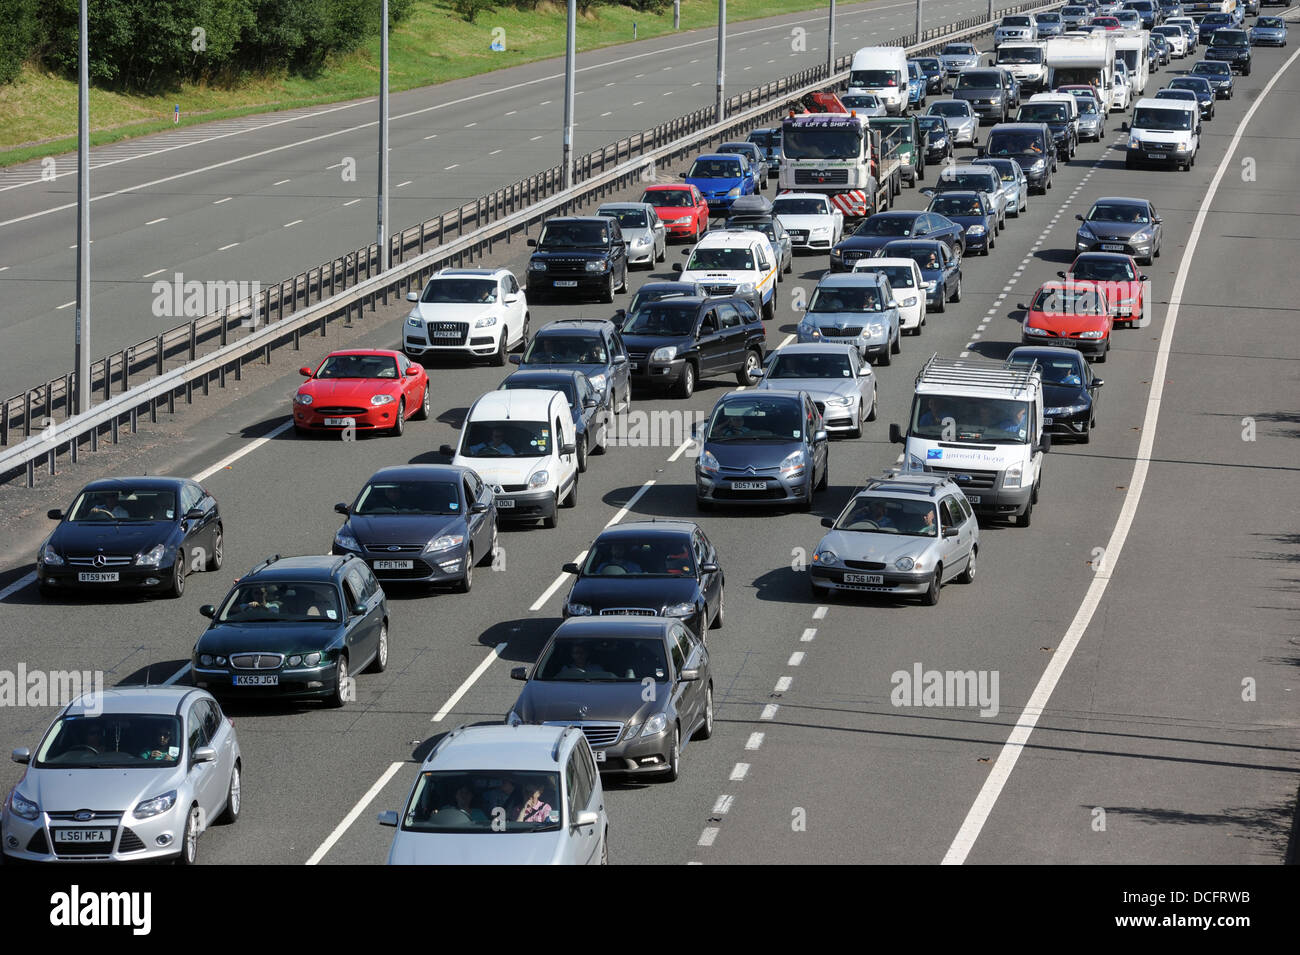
[125,775]
[643,231]
[962,121]
[841,384]
[902,534]
[504,795]
[854,308]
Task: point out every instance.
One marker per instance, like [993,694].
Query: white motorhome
[1132,49]
[1083,59]
[881,71]
[1027,62]
[980,423]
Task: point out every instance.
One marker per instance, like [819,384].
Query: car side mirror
[358,609]
[516,359]
[677,267]
[387,818]
[981,152]
[1142,278]
[204,754]
[1045,444]
[620,359]
[1159,219]
[412,371]
[21,755]
[590,403]
[305,371]
[571,568]
[588,817]
[620,313]
[828,522]
[531,243]
[207,610]
[927,191]
[446,449]
[512,299]
[412,296]
[1078,217]
[1022,306]
[1060,275]
[193,514]
[689,676]
[568,449]
[519,673]
[478,507]
[1123,127]
[896,435]
[709,568]
[819,437]
[950,532]
[54,514]
[1098,382]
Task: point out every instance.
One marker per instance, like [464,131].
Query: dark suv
[295,628]
[1231,46]
[1029,144]
[578,254]
[1056,116]
[674,342]
[592,346]
[992,93]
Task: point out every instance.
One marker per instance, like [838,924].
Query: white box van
[881,71]
[522,443]
[979,422]
[1065,99]
[1163,131]
[1027,62]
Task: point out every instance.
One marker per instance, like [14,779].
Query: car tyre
[956,294]
[176,587]
[553,520]
[582,454]
[685,386]
[702,505]
[1022,520]
[572,499]
[968,575]
[607,294]
[218,555]
[1085,436]
[885,358]
[337,699]
[871,415]
[720,617]
[230,815]
[931,595]
[674,757]
[190,838]
[856,432]
[426,400]
[466,582]
[706,728]
[380,663]
[399,426]
[748,373]
[897,345]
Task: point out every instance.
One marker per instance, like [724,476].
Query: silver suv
[902,534]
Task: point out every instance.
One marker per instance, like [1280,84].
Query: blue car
[917,84]
[722,178]
[974,213]
[940,269]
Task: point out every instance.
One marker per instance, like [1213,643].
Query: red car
[1069,314]
[682,209]
[1109,23]
[1118,278]
[362,389]
[1073,88]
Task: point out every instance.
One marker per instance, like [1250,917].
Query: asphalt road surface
[1150,684]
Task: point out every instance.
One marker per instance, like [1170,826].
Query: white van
[881,71]
[1068,101]
[1027,62]
[522,443]
[1163,131]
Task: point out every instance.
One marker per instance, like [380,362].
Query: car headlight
[904,563]
[445,542]
[641,240]
[1092,333]
[378,400]
[345,539]
[975,230]
[596,265]
[875,328]
[293,661]
[152,557]
[598,381]
[819,230]
[1013,478]
[909,301]
[825,557]
[414,320]
[679,610]
[206,659]
[1134,142]
[931,285]
[666,353]
[745,288]
[154,806]
[1068,409]
[708,462]
[302,399]
[487,321]
[655,725]
[49,557]
[734,192]
[578,610]
[312,659]
[513,717]
[684,220]
[539,478]
[1038,165]
[1031,330]
[536,266]
[794,461]
[838,402]
[23,807]
[1142,235]
[836,254]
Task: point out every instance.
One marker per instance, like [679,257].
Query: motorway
[1151,685]
[262,198]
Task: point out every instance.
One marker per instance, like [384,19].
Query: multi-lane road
[1142,630]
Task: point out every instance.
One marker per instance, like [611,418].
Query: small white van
[881,71]
[1165,131]
[522,443]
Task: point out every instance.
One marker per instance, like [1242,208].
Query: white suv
[504,795]
[481,313]
[735,262]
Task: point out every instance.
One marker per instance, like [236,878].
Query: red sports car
[1108,23]
[361,389]
[1118,278]
[682,209]
[1069,314]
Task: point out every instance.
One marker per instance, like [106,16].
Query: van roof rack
[977,371]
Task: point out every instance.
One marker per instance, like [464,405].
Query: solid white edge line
[176,676]
[970,829]
[17,585]
[469,681]
[549,592]
[352,816]
[622,511]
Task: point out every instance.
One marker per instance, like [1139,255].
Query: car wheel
[968,575]
[931,595]
[426,400]
[706,728]
[1085,436]
[190,838]
[805,503]
[720,616]
[826,476]
[956,294]
[491,554]
[339,697]
[686,384]
[748,373]
[856,432]
[886,358]
[233,799]
[176,588]
[553,520]
[582,454]
[380,663]
[871,415]
[466,583]
[1128,162]
[769,308]
[662,253]
[523,336]
[499,356]
[702,505]
[941,306]
[218,555]
[1022,520]
[572,499]
[674,757]
[399,426]
[897,347]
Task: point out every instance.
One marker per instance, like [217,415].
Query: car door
[221,737]
[206,781]
[731,333]
[581,845]
[951,269]
[818,451]
[659,232]
[683,700]
[952,515]
[620,369]
[711,348]
[765,279]
[697,658]
[196,534]
[361,631]
[512,309]
[618,254]
[709,582]
[478,525]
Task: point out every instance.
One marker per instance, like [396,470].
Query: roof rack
[559,741]
[977,371]
[263,565]
[889,482]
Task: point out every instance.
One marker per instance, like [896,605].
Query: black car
[940,269]
[142,533]
[672,344]
[592,346]
[659,568]
[295,628]
[1211,23]
[591,409]
[653,292]
[1029,144]
[1231,46]
[1199,85]
[1056,116]
[933,72]
[1069,388]
[639,687]
[769,141]
[938,142]
[421,523]
[876,231]
[974,212]
[578,255]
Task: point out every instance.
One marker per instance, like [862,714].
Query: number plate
[566,283]
[394,565]
[1112,248]
[339,422]
[599,754]
[505,503]
[635,365]
[446,333]
[864,579]
[83,835]
[973,498]
[260,679]
[98,578]
[749,485]
[1157,155]
[1047,423]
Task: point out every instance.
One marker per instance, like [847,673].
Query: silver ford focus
[125,775]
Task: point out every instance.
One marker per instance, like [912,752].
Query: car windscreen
[886,225]
[627,218]
[821,142]
[1015,21]
[738,420]
[979,80]
[1270,23]
[924,254]
[873,78]
[506,439]
[1168,120]
[125,504]
[668,198]
[955,418]
[407,497]
[763,226]
[655,556]
[573,235]
[930,64]
[1186,95]
[459,291]
[830,365]
[1212,68]
[968,181]
[1087,105]
[932,124]
[889,515]
[602,660]
[358,366]
[800,207]
[900,276]
[1069,301]
[662,318]
[845,298]
[486,801]
[1197,84]
[957,49]
[957,205]
[279,601]
[715,169]
[721,259]
[111,741]
[566,350]
[1024,54]
[1118,212]
[645,295]
[1043,113]
[1097,269]
[1056,371]
[952,108]
[764,139]
[1014,144]
[1006,172]
[861,101]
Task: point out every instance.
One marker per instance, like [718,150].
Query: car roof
[669,187]
[906,241]
[526,404]
[1122,200]
[800,195]
[716,156]
[614,626]
[1102,255]
[815,348]
[540,373]
[469,273]
[892,260]
[575,325]
[644,528]
[958,194]
[420,472]
[576,219]
[321,566]
[730,237]
[669,286]
[151,700]
[499,746]
[1017,128]
[369,352]
[780,394]
[129,483]
[1151,102]
[1045,351]
[952,171]
[855,279]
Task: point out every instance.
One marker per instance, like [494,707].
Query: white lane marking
[352,816]
[469,681]
[708,835]
[549,592]
[796,659]
[544,102]
[723,804]
[681,448]
[534,139]
[755,741]
[820,613]
[66,305]
[220,201]
[782,684]
[668,92]
[351,202]
[177,675]
[809,635]
[17,585]
[494,152]
[401,184]
[769,711]
[468,125]
[281,182]
[639,102]
[156,221]
[631,503]
[451,167]
[293,223]
[739,771]
[230,246]
[435,135]
[153,273]
[249,448]
[607,113]
[970,829]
